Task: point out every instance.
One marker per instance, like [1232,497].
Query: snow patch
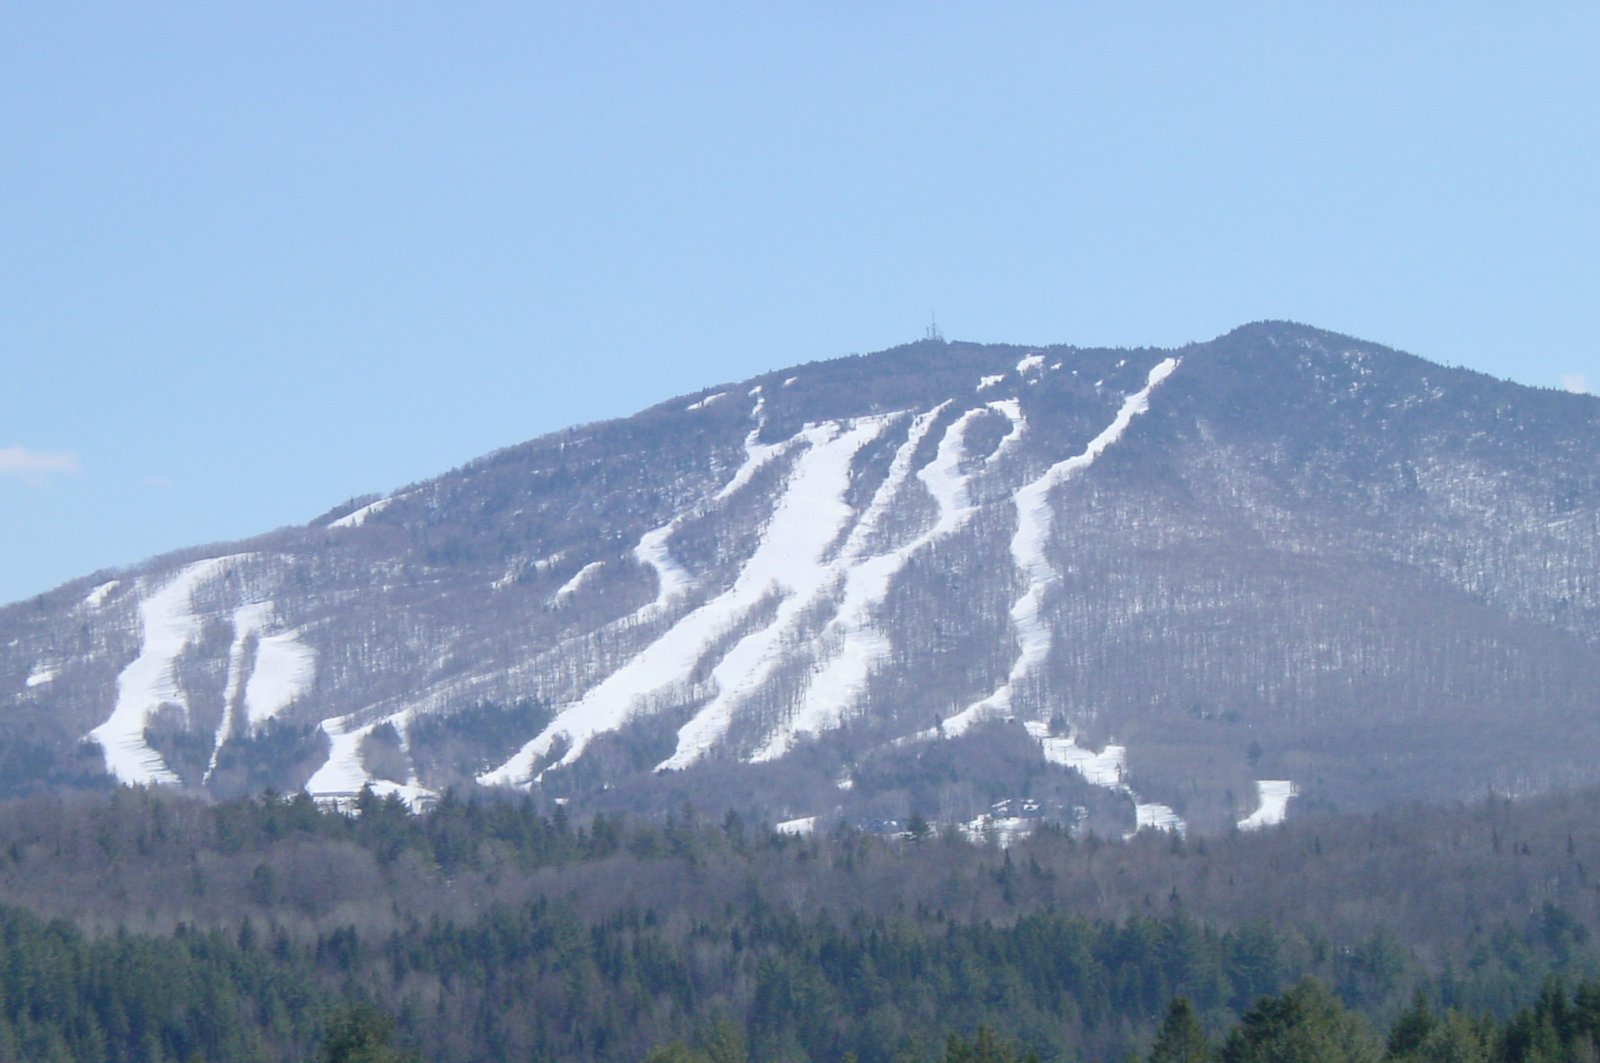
[1012,409]
[149,682]
[802,826]
[1030,363]
[40,675]
[359,517]
[837,684]
[1004,831]
[1272,804]
[1105,768]
[96,598]
[671,578]
[283,673]
[807,521]
[703,403]
[790,561]
[1153,816]
[1035,530]
[266,674]
[343,775]
[1029,552]
[569,588]
[990,381]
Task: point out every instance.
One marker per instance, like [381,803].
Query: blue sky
[257,259]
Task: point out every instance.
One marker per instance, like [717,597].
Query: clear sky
[256,259]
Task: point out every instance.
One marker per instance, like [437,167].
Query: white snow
[756,455]
[703,403]
[1035,530]
[808,520]
[1105,768]
[1029,551]
[857,644]
[266,673]
[247,622]
[359,517]
[343,774]
[1272,797]
[802,826]
[40,675]
[671,578]
[990,381]
[569,588]
[169,625]
[1153,816]
[1004,831]
[1033,361]
[791,562]
[283,672]
[1012,409]
[790,381]
[97,597]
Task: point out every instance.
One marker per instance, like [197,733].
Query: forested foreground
[158,928]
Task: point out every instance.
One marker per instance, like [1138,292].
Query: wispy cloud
[1577,383]
[35,464]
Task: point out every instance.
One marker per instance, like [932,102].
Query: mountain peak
[1117,588]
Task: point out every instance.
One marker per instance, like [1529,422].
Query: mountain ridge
[1259,559]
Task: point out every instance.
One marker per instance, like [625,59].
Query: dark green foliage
[360,1034]
[487,930]
[192,995]
[1181,1038]
[1308,1024]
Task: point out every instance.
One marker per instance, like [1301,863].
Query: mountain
[1280,570]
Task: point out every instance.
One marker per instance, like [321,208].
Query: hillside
[1276,572]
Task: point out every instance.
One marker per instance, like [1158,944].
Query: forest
[147,926]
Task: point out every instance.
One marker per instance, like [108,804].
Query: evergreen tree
[1181,1038]
[1305,1025]
[360,1034]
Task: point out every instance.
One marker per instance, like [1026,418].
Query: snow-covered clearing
[1272,797]
[1004,831]
[671,578]
[852,643]
[808,520]
[703,403]
[168,625]
[1031,362]
[359,517]
[266,673]
[343,774]
[96,598]
[1029,552]
[1155,816]
[569,588]
[39,676]
[790,561]
[803,825]
[1029,546]
[987,382]
[1105,768]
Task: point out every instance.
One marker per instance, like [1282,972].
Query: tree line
[164,929]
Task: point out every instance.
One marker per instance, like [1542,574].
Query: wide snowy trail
[808,519]
[168,625]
